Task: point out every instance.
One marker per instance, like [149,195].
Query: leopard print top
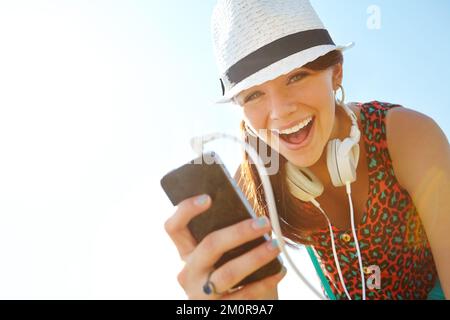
[390,234]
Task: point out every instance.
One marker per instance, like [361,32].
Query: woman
[279,64]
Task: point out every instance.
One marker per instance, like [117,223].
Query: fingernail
[273,244]
[259,223]
[201,200]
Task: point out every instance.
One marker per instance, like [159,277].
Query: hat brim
[281,67]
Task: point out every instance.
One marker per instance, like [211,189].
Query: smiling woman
[256,111]
[314,84]
[279,64]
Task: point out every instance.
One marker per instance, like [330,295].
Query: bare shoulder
[415,142]
[403,123]
[420,156]
[407,130]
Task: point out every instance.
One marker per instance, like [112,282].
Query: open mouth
[299,136]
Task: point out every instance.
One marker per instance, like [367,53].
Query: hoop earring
[341,101]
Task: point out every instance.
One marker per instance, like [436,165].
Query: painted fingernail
[201,200]
[259,223]
[273,244]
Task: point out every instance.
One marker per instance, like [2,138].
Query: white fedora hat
[256,41]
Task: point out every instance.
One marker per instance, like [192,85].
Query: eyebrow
[302,69]
[245,94]
[290,74]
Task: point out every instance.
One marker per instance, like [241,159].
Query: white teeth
[295,128]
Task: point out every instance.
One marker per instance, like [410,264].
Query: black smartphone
[207,174]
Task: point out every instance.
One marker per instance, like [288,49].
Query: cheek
[326,114]
[324,104]
[258,120]
[321,86]
[326,125]
[254,118]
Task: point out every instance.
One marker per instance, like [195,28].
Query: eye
[252,96]
[297,77]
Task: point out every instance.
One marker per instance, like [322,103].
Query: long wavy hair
[297,218]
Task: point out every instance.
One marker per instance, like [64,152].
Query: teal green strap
[436,293]
[319,271]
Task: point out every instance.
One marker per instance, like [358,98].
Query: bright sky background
[98,100]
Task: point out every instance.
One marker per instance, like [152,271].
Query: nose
[281,106]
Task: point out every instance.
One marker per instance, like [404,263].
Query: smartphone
[207,174]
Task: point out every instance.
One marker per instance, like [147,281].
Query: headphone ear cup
[346,160]
[332,163]
[342,160]
[353,160]
[302,183]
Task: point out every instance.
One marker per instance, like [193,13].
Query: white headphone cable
[352,220]
[333,247]
[197,145]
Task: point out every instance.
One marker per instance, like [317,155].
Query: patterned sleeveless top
[390,234]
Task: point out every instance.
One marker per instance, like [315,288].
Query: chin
[301,163]
[302,160]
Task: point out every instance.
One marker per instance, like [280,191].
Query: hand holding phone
[223,236]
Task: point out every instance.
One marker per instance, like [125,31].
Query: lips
[290,125]
[298,139]
[299,136]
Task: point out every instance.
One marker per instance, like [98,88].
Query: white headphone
[342,161]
